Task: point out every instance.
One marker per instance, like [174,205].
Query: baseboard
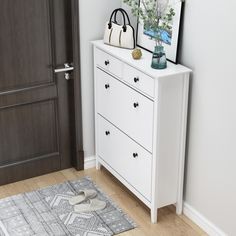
[202,221]
[89,162]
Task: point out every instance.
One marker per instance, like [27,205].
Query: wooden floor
[169,224]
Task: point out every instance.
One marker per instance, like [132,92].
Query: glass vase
[159,58]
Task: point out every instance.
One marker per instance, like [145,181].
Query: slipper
[93,205]
[83,196]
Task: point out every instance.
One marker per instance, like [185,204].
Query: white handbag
[119,35]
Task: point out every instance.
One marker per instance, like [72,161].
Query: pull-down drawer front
[109,63]
[139,80]
[131,161]
[125,108]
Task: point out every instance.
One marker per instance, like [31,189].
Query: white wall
[209,48]
[133,20]
[93,15]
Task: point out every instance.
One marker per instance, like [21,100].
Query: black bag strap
[126,14]
[114,13]
[110,21]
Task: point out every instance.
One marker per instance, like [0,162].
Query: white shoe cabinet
[140,122]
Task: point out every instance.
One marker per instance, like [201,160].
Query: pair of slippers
[87,195]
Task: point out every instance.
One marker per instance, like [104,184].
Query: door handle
[67,69]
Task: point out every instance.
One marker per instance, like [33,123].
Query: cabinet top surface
[144,64]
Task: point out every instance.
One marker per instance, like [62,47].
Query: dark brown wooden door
[40,113]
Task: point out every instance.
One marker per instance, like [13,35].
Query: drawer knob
[135,155]
[136,79]
[107,86]
[107,133]
[107,62]
[136,104]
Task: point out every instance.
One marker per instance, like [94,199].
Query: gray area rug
[47,212]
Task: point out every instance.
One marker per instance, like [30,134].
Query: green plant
[156,15]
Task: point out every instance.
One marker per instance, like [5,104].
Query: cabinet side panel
[170,108]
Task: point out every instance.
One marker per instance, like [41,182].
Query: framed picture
[169,38]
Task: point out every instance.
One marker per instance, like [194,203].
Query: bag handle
[126,14]
[124,19]
[110,21]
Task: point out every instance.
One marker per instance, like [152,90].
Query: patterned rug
[47,212]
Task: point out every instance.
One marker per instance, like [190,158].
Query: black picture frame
[171,50]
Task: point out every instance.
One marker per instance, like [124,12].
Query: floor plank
[169,224]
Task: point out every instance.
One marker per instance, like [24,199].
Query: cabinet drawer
[139,80]
[109,63]
[125,156]
[125,108]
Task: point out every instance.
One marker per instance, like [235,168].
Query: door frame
[78,159]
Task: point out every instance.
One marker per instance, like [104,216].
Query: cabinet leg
[179,208]
[98,165]
[154,216]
